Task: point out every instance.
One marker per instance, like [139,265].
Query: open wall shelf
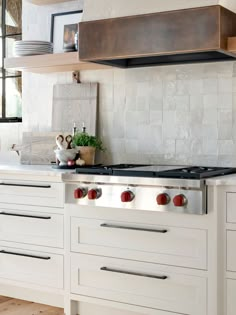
[51,63]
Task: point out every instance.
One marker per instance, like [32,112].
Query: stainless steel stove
[179,189]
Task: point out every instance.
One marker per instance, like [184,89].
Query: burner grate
[196,172]
[101,169]
[141,170]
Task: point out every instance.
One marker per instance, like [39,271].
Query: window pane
[13,97]
[0,98]
[13,16]
[1,55]
[0,18]
[11,73]
[9,45]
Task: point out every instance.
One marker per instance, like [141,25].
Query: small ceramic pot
[65,155]
[87,154]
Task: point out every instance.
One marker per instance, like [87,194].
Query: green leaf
[82,139]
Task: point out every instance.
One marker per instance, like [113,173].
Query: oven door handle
[113,226]
[5,252]
[25,216]
[139,274]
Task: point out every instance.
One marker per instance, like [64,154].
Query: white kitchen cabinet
[143,284]
[37,228]
[32,238]
[157,244]
[45,194]
[33,267]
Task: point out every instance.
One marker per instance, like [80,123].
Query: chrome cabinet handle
[25,216]
[111,226]
[139,274]
[5,252]
[25,185]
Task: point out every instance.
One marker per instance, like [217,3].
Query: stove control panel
[135,197]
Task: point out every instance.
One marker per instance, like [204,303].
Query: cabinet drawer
[39,268]
[32,193]
[43,229]
[138,283]
[150,243]
[231,296]
[231,253]
[93,309]
[231,207]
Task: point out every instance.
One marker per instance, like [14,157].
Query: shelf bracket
[76,77]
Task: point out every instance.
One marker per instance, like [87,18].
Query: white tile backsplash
[193,106]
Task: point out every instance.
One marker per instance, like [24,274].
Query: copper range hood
[185,36]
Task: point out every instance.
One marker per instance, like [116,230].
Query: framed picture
[65,31]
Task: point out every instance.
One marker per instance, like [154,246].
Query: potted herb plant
[87,146]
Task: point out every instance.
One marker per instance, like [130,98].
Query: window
[10,81]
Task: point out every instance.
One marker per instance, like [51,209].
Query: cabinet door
[150,243]
[137,283]
[33,267]
[32,193]
[37,228]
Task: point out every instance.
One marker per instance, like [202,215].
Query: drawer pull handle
[25,216]
[5,252]
[111,226]
[134,273]
[25,185]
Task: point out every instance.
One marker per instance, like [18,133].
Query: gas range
[163,188]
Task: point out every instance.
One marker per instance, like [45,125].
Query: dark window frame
[3,38]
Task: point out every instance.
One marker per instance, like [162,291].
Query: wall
[114,8]
[184,114]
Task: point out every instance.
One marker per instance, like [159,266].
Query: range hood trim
[222,25]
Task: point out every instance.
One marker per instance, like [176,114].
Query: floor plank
[4,299]
[10,306]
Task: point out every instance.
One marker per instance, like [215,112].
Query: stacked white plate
[32,47]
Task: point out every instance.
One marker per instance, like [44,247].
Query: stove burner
[197,170]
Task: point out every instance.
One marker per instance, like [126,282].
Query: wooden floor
[9,306]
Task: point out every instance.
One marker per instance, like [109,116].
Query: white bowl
[65,155]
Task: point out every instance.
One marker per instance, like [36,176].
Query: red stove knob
[163,199]
[94,194]
[180,201]
[127,196]
[80,193]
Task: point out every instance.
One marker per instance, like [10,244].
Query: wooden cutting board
[75,103]
[38,148]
